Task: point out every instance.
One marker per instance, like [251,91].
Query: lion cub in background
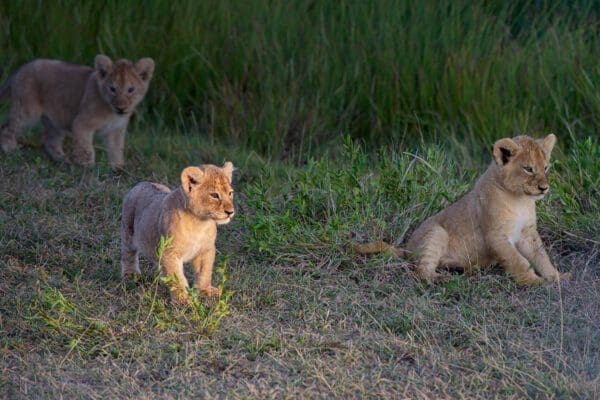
[77,99]
[189,215]
[494,223]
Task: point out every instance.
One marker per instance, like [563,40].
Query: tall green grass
[287,78]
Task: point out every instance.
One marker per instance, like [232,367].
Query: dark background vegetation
[286,77]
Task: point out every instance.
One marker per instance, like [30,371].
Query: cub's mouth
[222,218]
[538,195]
[120,110]
[223,221]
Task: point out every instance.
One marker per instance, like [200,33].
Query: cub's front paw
[528,280]
[211,292]
[180,298]
[430,277]
[83,158]
[566,276]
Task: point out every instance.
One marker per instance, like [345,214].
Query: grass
[347,121]
[303,316]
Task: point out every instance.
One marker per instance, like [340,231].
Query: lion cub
[78,99]
[494,223]
[189,215]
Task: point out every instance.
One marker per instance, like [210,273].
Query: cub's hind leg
[19,119]
[429,252]
[53,141]
[130,265]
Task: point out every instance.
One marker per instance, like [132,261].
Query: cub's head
[123,84]
[524,163]
[208,192]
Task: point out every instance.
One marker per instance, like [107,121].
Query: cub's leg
[429,253]
[53,140]
[531,246]
[172,267]
[512,261]
[83,141]
[130,264]
[19,119]
[114,141]
[203,266]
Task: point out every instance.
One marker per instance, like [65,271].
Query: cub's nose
[229,212]
[120,110]
[543,187]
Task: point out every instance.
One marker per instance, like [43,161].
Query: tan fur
[494,223]
[189,215]
[75,99]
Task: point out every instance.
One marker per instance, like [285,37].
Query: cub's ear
[190,177]
[228,170]
[547,144]
[145,67]
[504,150]
[103,65]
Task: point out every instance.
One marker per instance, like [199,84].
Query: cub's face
[123,84]
[524,164]
[208,191]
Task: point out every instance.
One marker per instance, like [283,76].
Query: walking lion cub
[188,215]
[75,99]
[495,223]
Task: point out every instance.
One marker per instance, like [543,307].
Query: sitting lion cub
[494,223]
[188,215]
[75,98]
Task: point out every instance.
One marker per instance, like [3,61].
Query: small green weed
[78,329]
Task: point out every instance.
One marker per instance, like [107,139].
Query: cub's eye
[112,89]
[131,90]
[528,169]
[215,195]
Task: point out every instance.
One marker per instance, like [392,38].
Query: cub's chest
[194,238]
[519,218]
[111,123]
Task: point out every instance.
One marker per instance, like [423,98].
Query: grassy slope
[305,316]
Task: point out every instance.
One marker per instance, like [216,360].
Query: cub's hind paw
[131,275]
[9,145]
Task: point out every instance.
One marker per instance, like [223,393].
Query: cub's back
[52,74]
[142,196]
[56,87]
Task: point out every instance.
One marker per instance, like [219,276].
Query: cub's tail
[380,247]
